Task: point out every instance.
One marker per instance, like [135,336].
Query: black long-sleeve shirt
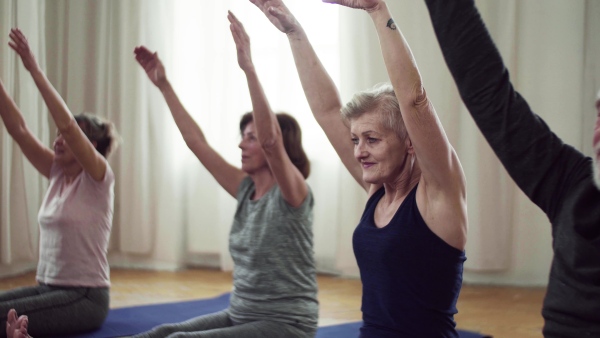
[554,175]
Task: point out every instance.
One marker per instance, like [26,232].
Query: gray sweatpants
[219,325]
[56,311]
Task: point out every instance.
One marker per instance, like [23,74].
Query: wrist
[36,71]
[249,70]
[164,86]
[296,34]
[379,10]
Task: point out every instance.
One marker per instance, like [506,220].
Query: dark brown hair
[100,131]
[292,139]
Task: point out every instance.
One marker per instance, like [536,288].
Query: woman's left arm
[288,177]
[83,149]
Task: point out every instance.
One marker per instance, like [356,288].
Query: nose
[359,150]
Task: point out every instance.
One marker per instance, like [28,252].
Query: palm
[279,15]
[242,42]
[157,73]
[151,64]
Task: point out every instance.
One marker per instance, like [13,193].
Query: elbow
[269,144]
[419,95]
[68,128]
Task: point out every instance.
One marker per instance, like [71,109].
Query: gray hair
[381,99]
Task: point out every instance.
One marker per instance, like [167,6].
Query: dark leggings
[54,310]
[219,325]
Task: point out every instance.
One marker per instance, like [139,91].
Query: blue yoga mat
[136,319]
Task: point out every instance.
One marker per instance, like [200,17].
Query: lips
[367,165]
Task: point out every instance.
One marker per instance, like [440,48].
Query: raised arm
[83,149]
[541,165]
[288,177]
[40,156]
[228,176]
[321,93]
[441,170]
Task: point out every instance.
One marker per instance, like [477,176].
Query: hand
[278,14]
[242,43]
[368,5]
[152,65]
[21,46]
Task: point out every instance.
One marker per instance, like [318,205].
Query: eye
[371,140]
[355,140]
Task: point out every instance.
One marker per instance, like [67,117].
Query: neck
[71,170]
[263,182]
[404,183]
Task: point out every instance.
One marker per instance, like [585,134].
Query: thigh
[62,311]
[211,321]
[257,329]
[18,293]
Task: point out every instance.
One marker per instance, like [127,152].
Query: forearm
[399,61]
[189,129]
[320,90]
[57,107]
[9,112]
[265,120]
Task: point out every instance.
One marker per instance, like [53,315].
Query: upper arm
[228,176]
[437,159]
[40,156]
[339,135]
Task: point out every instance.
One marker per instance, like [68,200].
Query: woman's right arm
[228,176]
[40,156]
[321,93]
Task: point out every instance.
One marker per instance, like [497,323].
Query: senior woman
[274,276]
[75,217]
[409,243]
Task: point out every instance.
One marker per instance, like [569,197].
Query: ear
[409,147]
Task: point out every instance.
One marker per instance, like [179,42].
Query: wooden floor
[499,311]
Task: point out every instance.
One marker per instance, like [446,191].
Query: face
[382,154]
[597,144]
[253,157]
[62,151]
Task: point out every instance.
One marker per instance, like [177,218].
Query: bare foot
[16,327]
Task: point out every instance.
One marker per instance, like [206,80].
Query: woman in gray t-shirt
[271,240]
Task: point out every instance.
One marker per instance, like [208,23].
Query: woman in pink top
[75,217]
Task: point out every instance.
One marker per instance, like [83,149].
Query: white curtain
[170,213]
[22,189]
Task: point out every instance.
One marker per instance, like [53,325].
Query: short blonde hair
[381,99]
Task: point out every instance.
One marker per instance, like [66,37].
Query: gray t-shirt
[271,244]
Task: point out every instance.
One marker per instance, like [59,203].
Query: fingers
[237,30]
[18,41]
[11,317]
[144,56]
[17,36]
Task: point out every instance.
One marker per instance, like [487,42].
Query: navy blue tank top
[411,278]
